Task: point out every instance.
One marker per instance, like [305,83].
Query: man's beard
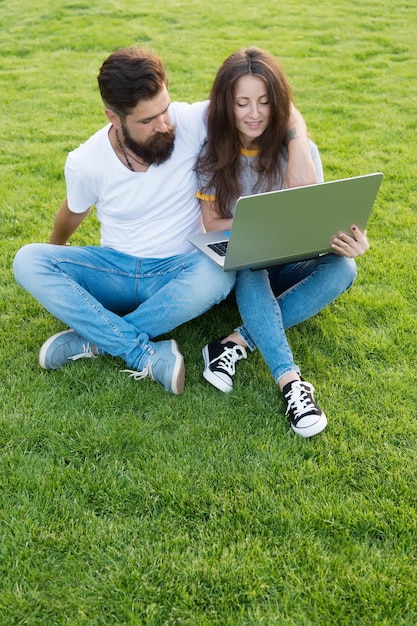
[157,149]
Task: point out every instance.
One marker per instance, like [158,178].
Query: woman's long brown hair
[220,163]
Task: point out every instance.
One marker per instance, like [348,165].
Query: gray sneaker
[64,347]
[166,366]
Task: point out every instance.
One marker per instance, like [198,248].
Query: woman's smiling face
[251,109]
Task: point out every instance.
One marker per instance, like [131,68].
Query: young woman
[246,152]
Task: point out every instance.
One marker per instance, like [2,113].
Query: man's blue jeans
[116,301]
[303,289]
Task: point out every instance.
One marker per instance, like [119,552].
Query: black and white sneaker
[220,363]
[307,419]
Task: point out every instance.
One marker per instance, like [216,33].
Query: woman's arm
[300,168]
[212,219]
[65,224]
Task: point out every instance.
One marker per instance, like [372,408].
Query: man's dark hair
[129,75]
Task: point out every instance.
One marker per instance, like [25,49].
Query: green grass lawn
[122,504]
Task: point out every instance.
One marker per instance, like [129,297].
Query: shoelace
[228,358]
[300,400]
[87,353]
[147,371]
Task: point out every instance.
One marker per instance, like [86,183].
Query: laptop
[290,225]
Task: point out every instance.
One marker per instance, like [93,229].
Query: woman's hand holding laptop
[352,245]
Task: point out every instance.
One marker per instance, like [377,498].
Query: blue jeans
[116,301]
[303,289]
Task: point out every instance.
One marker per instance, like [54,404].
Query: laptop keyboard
[220,247]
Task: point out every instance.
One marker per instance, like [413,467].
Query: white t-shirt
[145,214]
